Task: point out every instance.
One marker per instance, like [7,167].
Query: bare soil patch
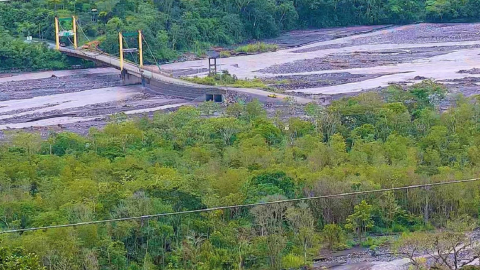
[74,101]
[470,71]
[303,37]
[362,59]
[318,80]
[55,85]
[424,33]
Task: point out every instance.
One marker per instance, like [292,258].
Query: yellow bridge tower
[65,33]
[121,39]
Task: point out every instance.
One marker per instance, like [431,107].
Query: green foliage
[18,259]
[334,237]
[373,243]
[189,159]
[271,184]
[258,47]
[361,220]
[225,79]
[419,97]
[172,27]
[225,54]
[292,261]
[16,54]
[209,107]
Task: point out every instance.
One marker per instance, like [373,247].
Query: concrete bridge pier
[129,79]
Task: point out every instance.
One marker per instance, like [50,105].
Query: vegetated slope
[16,54]
[184,161]
[174,26]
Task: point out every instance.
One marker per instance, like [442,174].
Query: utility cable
[243,205]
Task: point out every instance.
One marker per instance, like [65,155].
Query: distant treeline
[172,26]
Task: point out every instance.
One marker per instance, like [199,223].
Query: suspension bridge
[153,78]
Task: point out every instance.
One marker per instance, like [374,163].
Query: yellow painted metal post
[75,43]
[140,47]
[57,37]
[120,40]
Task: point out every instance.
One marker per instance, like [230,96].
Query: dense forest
[16,54]
[212,156]
[174,26]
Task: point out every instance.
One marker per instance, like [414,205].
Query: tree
[389,207]
[271,247]
[209,108]
[254,110]
[18,259]
[29,142]
[267,183]
[301,219]
[338,149]
[361,220]
[444,246]
[269,219]
[334,236]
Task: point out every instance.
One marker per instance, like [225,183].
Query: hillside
[175,26]
[378,166]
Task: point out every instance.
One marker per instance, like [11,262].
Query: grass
[258,47]
[225,54]
[226,79]
[254,48]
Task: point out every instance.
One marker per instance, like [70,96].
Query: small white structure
[68,33]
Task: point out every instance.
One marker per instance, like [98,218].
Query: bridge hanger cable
[97,50]
[146,217]
[135,58]
[63,29]
[151,52]
[79,26]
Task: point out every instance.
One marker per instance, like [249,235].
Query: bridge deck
[174,85]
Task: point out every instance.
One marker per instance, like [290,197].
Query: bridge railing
[107,59]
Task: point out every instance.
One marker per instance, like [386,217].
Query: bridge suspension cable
[151,53]
[81,30]
[146,217]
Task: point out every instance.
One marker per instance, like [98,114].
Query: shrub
[225,54]
[258,47]
[375,242]
[399,228]
[334,236]
[18,259]
[292,261]
[227,79]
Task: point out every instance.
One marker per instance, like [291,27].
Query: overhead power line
[242,206]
